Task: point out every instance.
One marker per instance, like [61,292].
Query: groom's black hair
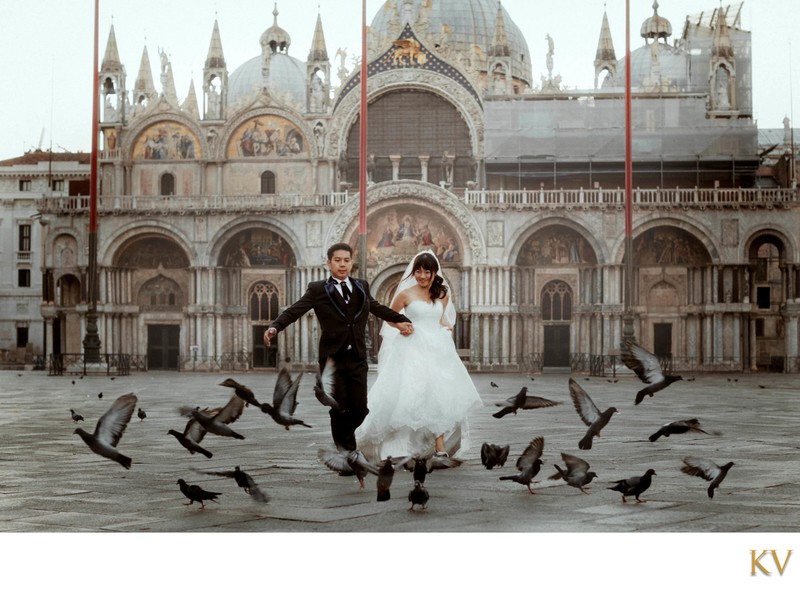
[339,247]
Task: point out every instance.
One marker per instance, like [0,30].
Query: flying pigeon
[190,444]
[528,464]
[109,430]
[494,455]
[348,463]
[323,388]
[646,366]
[422,466]
[523,401]
[284,401]
[386,475]
[75,416]
[679,427]
[706,469]
[576,474]
[142,415]
[589,413]
[243,480]
[196,494]
[634,486]
[214,420]
[418,496]
[242,391]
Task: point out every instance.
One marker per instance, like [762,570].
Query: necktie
[345,292]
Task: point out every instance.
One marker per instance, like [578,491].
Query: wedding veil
[389,333]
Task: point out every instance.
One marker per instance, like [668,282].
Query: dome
[471,22]
[672,62]
[286,74]
[656,27]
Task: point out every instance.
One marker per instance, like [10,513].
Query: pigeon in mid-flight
[589,413]
[243,480]
[196,494]
[576,474]
[706,469]
[243,391]
[109,429]
[494,455]
[215,420]
[523,401]
[284,401]
[634,486]
[680,427]
[647,367]
[348,463]
[528,464]
[323,388]
[189,443]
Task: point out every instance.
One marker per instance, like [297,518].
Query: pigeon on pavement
[706,469]
[242,391]
[190,444]
[386,475]
[494,455]
[196,494]
[647,367]
[589,413]
[523,401]
[75,416]
[284,401]
[141,414]
[418,496]
[323,388]
[214,420]
[109,430]
[679,427]
[493,384]
[634,486]
[528,464]
[243,480]
[576,474]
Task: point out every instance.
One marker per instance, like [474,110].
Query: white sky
[48,79]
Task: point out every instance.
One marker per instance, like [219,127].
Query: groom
[342,305]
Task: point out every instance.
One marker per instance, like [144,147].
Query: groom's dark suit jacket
[342,325]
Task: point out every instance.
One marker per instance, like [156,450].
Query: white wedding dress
[422,390]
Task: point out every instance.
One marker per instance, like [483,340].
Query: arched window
[268,182]
[263,300]
[556,302]
[167,184]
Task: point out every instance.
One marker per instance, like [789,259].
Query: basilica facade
[215,211]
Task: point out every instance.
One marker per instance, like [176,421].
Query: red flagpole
[362,151]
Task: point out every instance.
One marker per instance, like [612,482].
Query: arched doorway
[556,302]
[263,304]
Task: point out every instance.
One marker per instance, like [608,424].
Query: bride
[422,396]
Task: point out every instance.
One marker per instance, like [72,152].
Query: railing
[76,364]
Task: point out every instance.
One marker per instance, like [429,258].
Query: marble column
[395,158]
[423,163]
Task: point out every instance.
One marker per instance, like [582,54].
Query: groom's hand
[269,334]
[406,328]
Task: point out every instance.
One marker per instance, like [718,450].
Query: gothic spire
[605,45]
[499,45]
[318,53]
[190,103]
[215,58]
[111,59]
[144,80]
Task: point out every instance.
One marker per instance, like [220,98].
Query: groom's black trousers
[350,390]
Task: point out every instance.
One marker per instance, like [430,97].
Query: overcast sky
[47,91]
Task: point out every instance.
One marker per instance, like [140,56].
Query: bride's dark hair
[426,261]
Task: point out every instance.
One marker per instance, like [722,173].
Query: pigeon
[323,388]
[422,466]
[100,395]
[194,493]
[242,391]
[576,474]
[679,427]
[494,455]
[612,380]
[189,444]
[386,475]
[348,463]
[418,496]
[528,464]
[634,486]
[284,401]
[141,414]
[214,420]
[493,384]
[523,401]
[708,470]
[243,480]
[589,413]
[75,416]
[109,430]
[646,366]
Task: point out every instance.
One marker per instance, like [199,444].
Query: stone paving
[51,482]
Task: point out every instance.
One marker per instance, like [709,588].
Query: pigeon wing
[502,454]
[194,430]
[112,424]
[642,362]
[335,460]
[282,386]
[231,411]
[703,468]
[584,405]
[574,464]
[531,453]
[532,402]
[289,403]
